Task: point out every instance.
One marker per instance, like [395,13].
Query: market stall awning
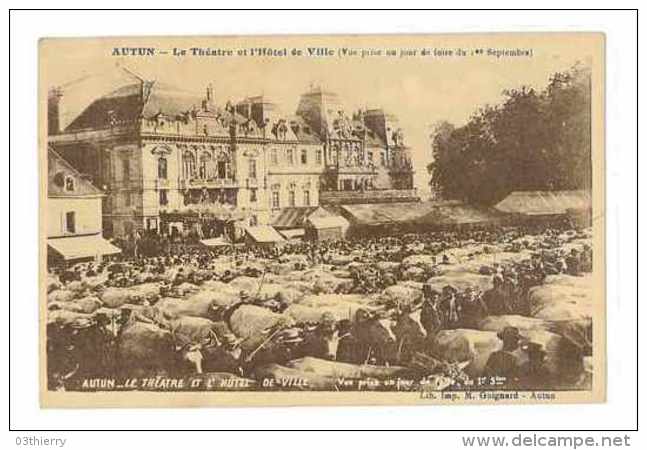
[459,214]
[321,223]
[293,233]
[76,247]
[427,213]
[544,203]
[264,234]
[386,213]
[215,242]
[293,217]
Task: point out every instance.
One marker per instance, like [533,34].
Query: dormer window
[69,184]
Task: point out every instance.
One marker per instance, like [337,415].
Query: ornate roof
[133,101]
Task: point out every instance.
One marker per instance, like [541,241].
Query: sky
[419,90]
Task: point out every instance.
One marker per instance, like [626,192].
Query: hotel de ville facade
[159,152]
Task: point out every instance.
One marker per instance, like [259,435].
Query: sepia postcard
[322,220]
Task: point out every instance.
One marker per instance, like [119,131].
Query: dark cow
[77,352]
[144,349]
[411,335]
[321,342]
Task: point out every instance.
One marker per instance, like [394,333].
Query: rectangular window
[162,168]
[222,169]
[253,195]
[70,222]
[275,200]
[383,159]
[127,199]
[125,169]
[292,198]
[290,156]
[274,157]
[163,197]
[252,168]
[151,224]
[304,156]
[318,157]
[306,198]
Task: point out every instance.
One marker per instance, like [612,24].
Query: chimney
[209,92]
[207,103]
[53,111]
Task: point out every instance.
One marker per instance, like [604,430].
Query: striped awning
[293,217]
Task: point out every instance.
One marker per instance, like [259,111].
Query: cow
[82,349]
[144,349]
[411,335]
[376,343]
[321,342]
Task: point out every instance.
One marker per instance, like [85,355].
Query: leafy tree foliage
[533,140]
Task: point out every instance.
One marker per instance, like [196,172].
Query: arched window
[162,168]
[188,165]
[205,166]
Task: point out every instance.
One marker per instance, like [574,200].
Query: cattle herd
[496,308]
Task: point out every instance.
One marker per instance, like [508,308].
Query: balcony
[162,183]
[214,183]
[374,196]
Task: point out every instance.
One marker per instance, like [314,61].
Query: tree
[531,141]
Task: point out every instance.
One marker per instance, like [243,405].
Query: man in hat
[225,357]
[473,308]
[431,317]
[450,307]
[286,347]
[347,349]
[534,374]
[504,363]
[244,296]
[573,263]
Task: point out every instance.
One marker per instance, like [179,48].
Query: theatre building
[173,161]
[73,216]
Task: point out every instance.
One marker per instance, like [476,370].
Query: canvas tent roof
[384,213]
[430,213]
[328,222]
[215,242]
[264,234]
[544,202]
[293,233]
[459,214]
[76,247]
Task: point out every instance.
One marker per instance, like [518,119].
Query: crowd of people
[173,266]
